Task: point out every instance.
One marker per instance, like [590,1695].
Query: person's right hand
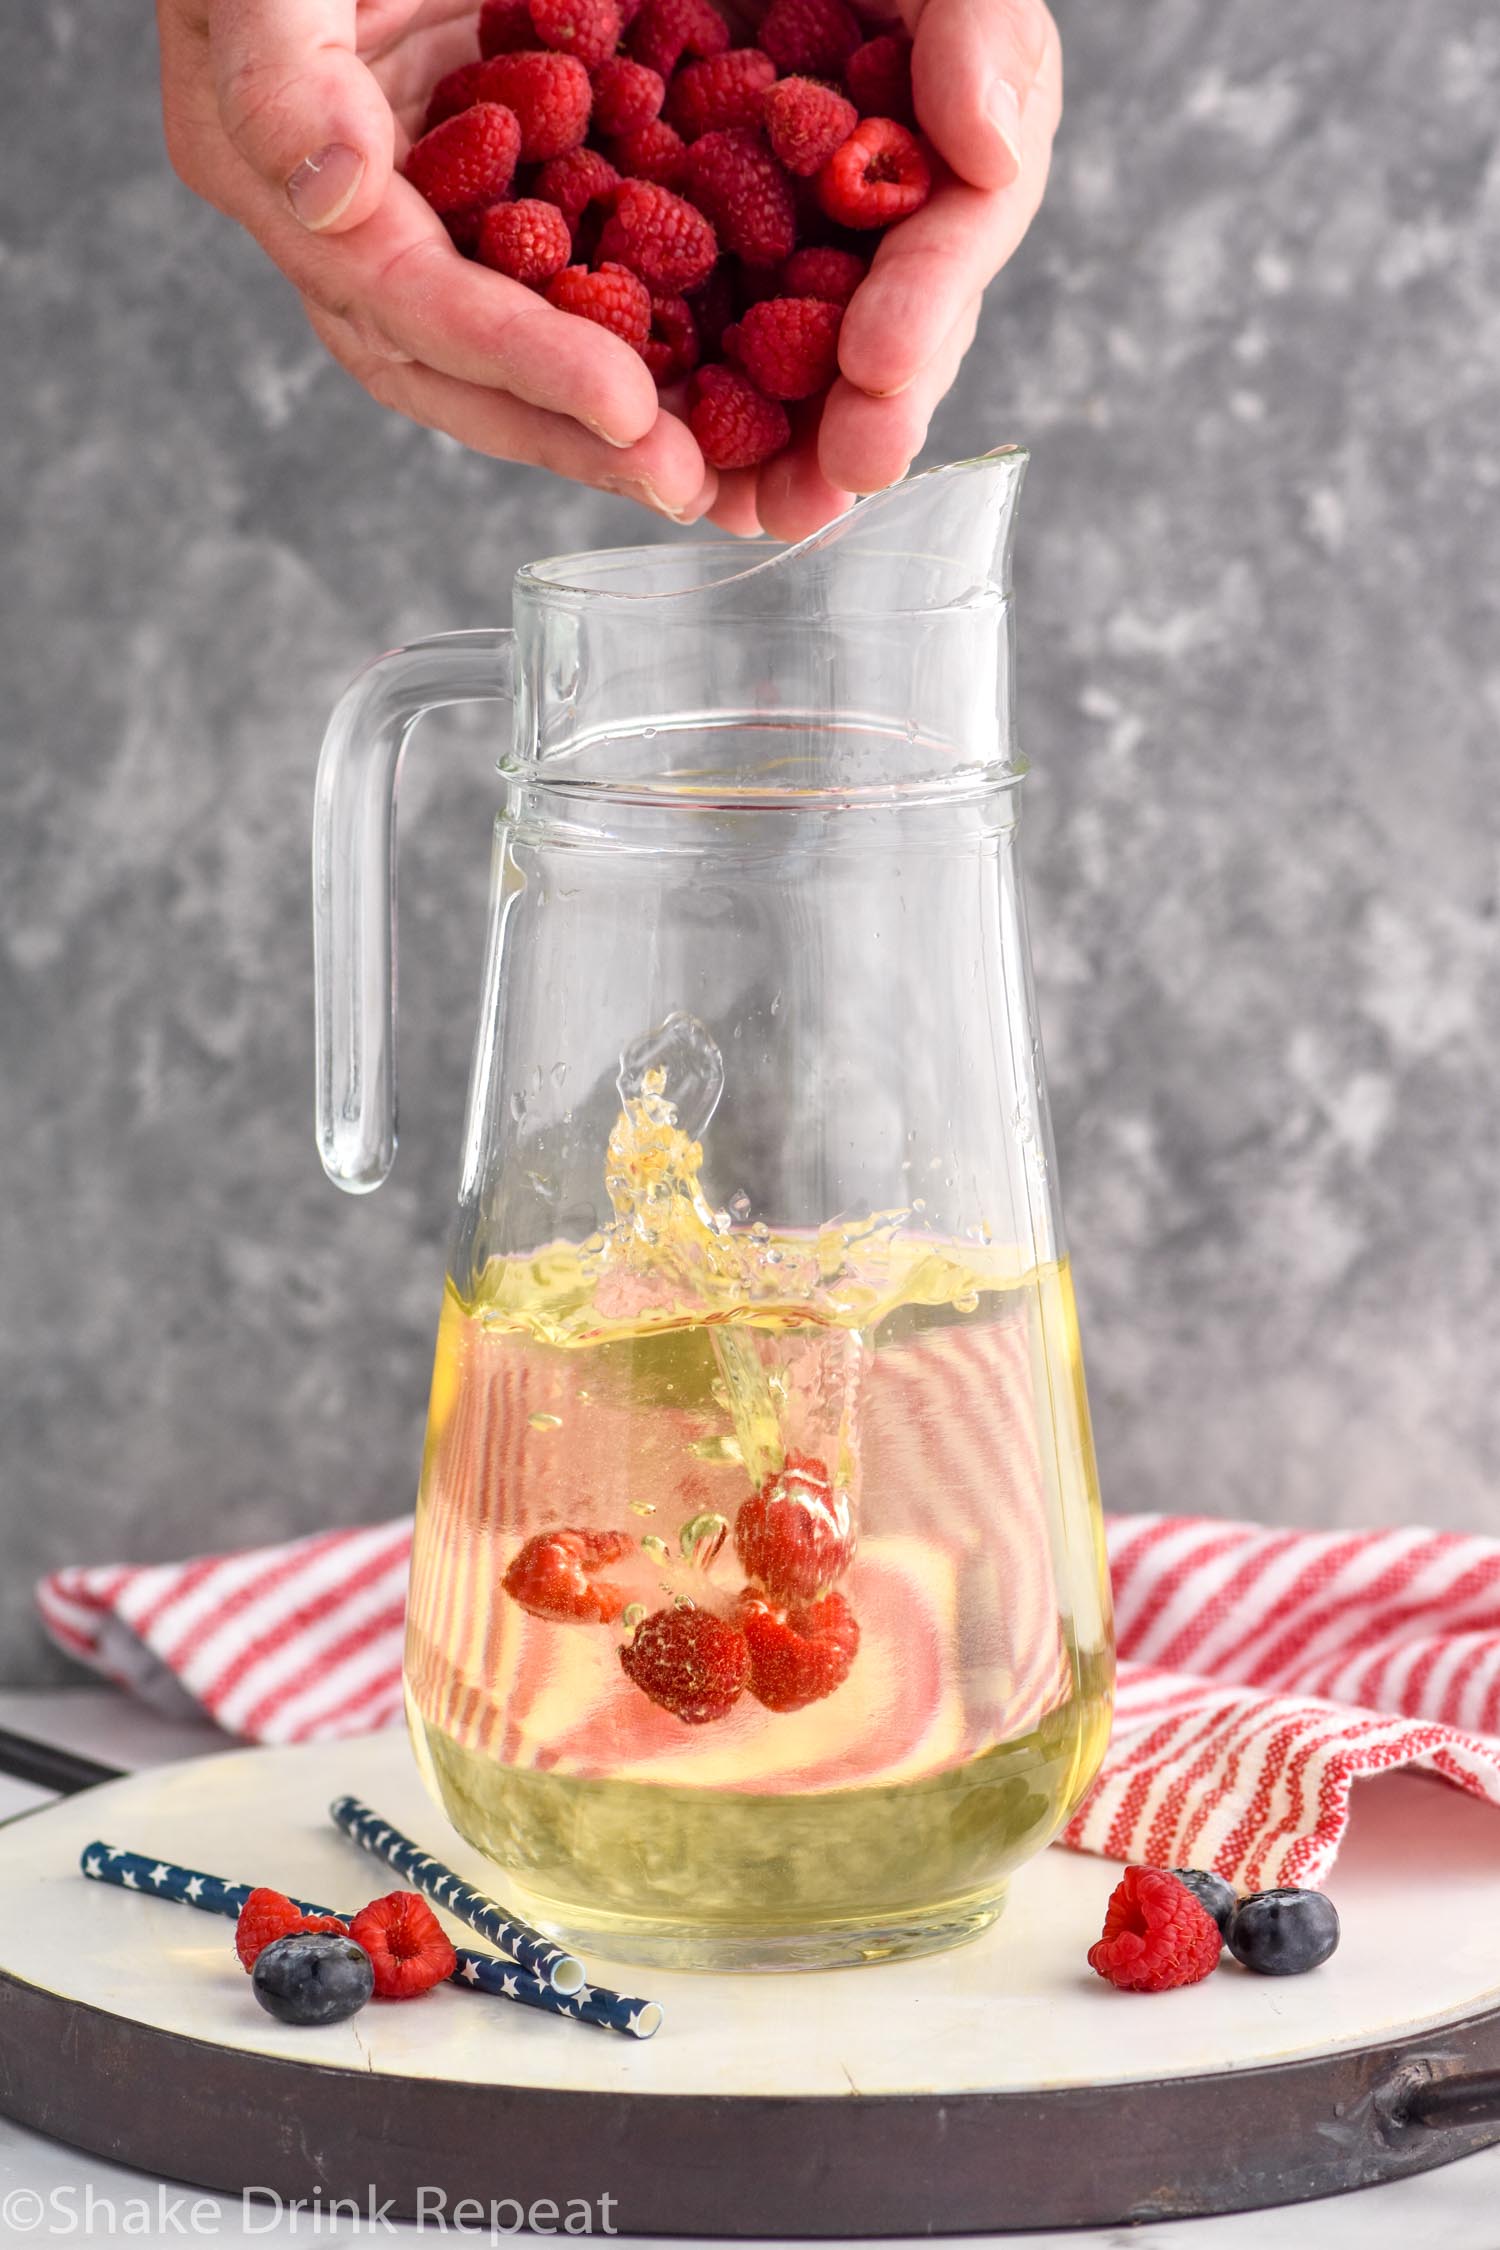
[292,116]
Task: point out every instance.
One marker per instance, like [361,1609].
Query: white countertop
[49,2192]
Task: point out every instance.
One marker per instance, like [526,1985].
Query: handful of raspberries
[715,206]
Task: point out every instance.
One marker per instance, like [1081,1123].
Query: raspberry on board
[614,298]
[575,181]
[799,1656]
[816,36]
[529,240]
[552,1575]
[737,183]
[666,30]
[666,241]
[789,348]
[688,1661]
[505,27]
[626,96]
[831,274]
[725,90]
[880,175]
[551,97]
[468,161]
[805,123]
[794,1536]
[1156,1935]
[877,78]
[408,1947]
[651,152]
[269,1915]
[589,29]
[671,349]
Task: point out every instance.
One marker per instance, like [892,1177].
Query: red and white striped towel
[1263,1672]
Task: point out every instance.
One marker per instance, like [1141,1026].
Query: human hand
[987,86]
[292,116]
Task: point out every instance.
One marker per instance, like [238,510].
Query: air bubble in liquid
[702,1537]
[687,1054]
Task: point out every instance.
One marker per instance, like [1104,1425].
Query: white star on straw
[508,1987]
[129,1881]
[195,1888]
[91,1867]
[471,1972]
[159,1874]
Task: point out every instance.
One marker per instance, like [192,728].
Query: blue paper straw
[478,1972]
[564,1972]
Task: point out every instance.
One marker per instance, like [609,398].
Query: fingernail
[1003,107]
[620,444]
[642,489]
[323,186]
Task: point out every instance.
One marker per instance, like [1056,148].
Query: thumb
[301,108]
[974,65]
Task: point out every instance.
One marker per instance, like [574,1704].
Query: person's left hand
[987,84]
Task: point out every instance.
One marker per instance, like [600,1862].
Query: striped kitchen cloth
[1262,1671]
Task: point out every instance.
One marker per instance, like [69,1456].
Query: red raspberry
[589,29]
[805,123]
[408,1949]
[740,186]
[613,298]
[799,1655]
[575,181]
[669,244]
[626,95]
[528,239]
[651,152]
[672,347]
[833,275]
[269,1915]
[550,1575]
[505,27]
[666,30]
[459,90]
[878,176]
[468,161]
[877,78]
[692,1663]
[788,346]
[714,308]
[726,90]
[1156,1935]
[794,1536]
[551,97]
[816,36]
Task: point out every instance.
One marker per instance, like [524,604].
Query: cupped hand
[293,116]
[987,88]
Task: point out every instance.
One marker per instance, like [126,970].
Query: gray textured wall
[1255,342]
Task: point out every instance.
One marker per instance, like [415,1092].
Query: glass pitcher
[759,1615]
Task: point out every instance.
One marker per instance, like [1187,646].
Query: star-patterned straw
[563,1971]
[480,1972]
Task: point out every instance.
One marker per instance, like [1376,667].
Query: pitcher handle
[354,885]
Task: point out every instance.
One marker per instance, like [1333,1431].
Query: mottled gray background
[1255,342]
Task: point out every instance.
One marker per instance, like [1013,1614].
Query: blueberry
[315,1978]
[1213,1894]
[1284,1933]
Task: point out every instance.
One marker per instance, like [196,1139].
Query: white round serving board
[1017,2009]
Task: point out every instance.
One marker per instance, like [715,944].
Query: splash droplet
[687,1055]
